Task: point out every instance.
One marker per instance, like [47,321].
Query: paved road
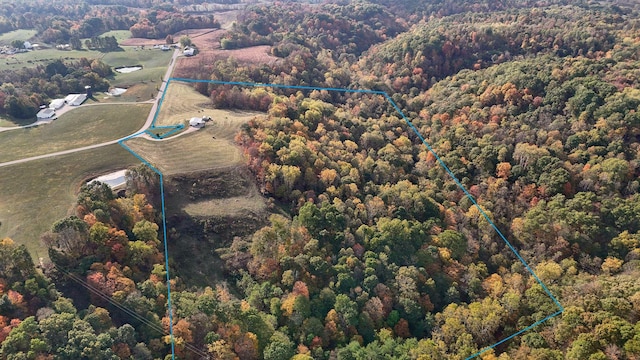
[146,125]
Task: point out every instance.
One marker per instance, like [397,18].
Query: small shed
[46,113]
[196,122]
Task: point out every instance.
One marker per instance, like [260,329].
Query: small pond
[128,69]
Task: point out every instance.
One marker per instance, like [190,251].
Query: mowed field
[181,102]
[141,85]
[86,125]
[44,57]
[22,35]
[154,61]
[36,194]
[154,64]
[8,121]
[120,35]
[209,148]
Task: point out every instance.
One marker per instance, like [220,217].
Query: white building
[189,52]
[46,113]
[196,122]
[56,104]
[75,99]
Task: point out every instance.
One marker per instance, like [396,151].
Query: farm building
[196,122]
[56,104]
[189,52]
[45,113]
[75,99]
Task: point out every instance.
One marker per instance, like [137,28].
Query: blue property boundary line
[164,232]
[178,127]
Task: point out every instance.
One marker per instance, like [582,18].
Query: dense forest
[59,22]
[372,249]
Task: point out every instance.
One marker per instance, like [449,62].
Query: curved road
[144,127]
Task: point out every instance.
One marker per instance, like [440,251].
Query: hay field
[36,194]
[209,148]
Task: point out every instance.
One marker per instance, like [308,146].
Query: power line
[127,310]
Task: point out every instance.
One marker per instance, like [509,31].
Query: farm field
[26,188]
[181,102]
[23,35]
[43,57]
[86,125]
[153,61]
[209,148]
[120,35]
[7,121]
[209,52]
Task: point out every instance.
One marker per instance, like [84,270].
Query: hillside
[484,203]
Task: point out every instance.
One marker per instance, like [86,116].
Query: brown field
[192,33]
[209,52]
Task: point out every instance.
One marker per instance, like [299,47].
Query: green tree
[185,41]
[280,347]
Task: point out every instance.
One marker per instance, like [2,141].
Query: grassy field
[143,84]
[209,148]
[135,93]
[84,126]
[153,61]
[43,57]
[120,35]
[181,103]
[22,35]
[8,121]
[35,194]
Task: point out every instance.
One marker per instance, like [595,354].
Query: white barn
[56,104]
[46,113]
[75,99]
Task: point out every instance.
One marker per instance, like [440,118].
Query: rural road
[146,125]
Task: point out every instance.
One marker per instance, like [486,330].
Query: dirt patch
[215,184]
